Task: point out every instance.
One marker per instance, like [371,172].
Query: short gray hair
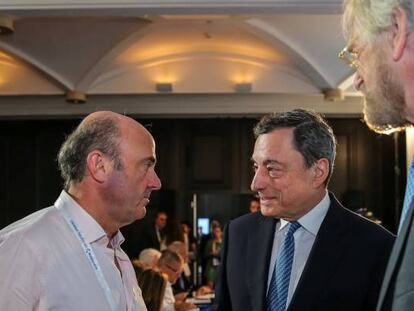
[100,134]
[368,18]
[168,257]
[312,136]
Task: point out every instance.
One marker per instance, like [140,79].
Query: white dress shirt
[168,303]
[304,239]
[43,266]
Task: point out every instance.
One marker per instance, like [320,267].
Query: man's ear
[321,171]
[97,165]
[398,32]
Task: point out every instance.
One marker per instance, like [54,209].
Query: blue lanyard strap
[90,255]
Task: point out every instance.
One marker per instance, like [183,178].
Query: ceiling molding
[29,61]
[173,105]
[134,7]
[306,63]
[96,70]
[189,57]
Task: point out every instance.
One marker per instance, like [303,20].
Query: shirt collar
[91,230]
[312,220]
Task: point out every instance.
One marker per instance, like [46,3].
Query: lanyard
[90,255]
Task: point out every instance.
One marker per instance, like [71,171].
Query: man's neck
[93,209]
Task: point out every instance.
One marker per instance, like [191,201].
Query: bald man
[68,256]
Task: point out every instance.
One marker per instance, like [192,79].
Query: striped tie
[409,192]
[279,284]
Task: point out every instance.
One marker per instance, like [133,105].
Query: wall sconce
[164,87]
[243,87]
[75,97]
[6,25]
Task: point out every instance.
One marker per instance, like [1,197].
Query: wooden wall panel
[210,157]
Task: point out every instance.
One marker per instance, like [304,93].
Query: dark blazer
[183,284]
[344,270]
[147,238]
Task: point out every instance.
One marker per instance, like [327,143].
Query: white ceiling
[116,53]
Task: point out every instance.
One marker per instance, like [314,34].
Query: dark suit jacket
[183,284]
[344,270]
[147,238]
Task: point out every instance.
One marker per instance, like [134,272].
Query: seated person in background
[152,283]
[171,265]
[212,254]
[148,257]
[183,283]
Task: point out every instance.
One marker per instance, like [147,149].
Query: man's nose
[258,181]
[155,182]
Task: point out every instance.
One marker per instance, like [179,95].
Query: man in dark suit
[303,250]
[151,234]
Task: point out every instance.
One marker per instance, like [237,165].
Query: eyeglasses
[350,57]
[173,269]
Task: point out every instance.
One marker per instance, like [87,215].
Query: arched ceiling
[289,49]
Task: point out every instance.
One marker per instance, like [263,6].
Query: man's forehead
[357,39]
[274,139]
[175,264]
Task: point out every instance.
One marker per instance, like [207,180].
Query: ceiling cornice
[176,105]
[143,7]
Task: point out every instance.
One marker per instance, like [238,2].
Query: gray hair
[168,257]
[100,134]
[312,136]
[149,256]
[368,18]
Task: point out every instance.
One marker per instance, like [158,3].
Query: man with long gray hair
[68,256]
[304,250]
[380,47]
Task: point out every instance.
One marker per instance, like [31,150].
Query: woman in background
[152,283]
[212,253]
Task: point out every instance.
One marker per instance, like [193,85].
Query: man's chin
[382,122]
[141,208]
[268,211]
[142,212]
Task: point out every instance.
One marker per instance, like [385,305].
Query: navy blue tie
[279,284]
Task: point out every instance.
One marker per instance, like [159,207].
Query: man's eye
[274,171]
[149,164]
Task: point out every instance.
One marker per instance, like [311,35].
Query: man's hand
[180,297]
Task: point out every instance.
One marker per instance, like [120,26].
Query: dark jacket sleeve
[222,298]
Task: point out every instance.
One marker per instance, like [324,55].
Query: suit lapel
[323,260]
[394,258]
[259,248]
